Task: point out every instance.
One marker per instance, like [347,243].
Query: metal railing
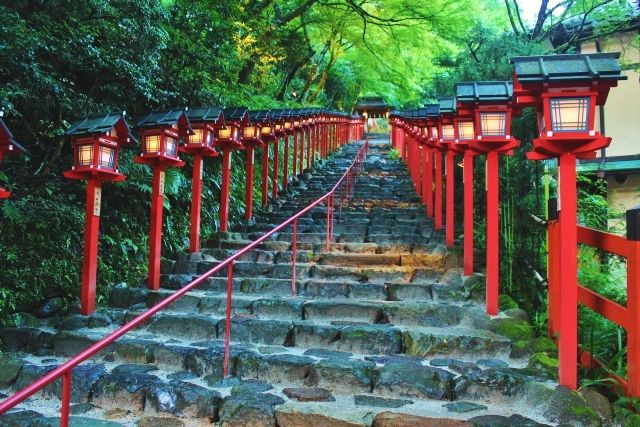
[344,186]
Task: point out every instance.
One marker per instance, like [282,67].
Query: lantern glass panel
[296,123]
[224,133]
[152,143]
[197,137]
[448,132]
[170,146]
[465,130]
[107,157]
[287,125]
[434,132]
[249,132]
[278,127]
[569,114]
[266,130]
[85,155]
[493,123]
[209,138]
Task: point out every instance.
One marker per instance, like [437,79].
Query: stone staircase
[385,331]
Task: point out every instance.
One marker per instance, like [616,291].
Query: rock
[517,313]
[251,387]
[74,422]
[99,320]
[416,380]
[390,419]
[19,418]
[196,401]
[545,365]
[327,354]
[598,402]
[242,410]
[319,417]
[10,366]
[50,307]
[380,402]
[514,329]
[160,422]
[492,363]
[182,375]
[462,407]
[81,408]
[439,362]
[74,321]
[123,296]
[568,407]
[116,413]
[501,421]
[312,394]
[544,345]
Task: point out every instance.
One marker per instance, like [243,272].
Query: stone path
[385,331]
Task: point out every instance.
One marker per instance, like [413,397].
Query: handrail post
[227,322]
[66,399]
[327,238]
[294,256]
[633,302]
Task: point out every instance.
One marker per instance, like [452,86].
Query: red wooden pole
[301,168]
[438,205]
[65,408]
[155,234]
[429,181]
[285,164]
[308,149]
[633,308]
[450,214]
[248,195]
[294,256]
[493,245]
[274,177]
[90,251]
[227,321]
[295,154]
[196,204]
[553,262]
[224,191]
[468,212]
[568,346]
[265,175]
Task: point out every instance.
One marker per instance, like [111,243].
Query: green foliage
[394,154]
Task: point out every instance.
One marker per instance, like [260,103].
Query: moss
[511,328]
[506,302]
[544,345]
[544,364]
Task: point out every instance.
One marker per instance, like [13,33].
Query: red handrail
[65,370]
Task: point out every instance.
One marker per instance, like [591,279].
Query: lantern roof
[447,104]
[6,137]
[101,124]
[432,110]
[574,67]
[174,117]
[205,114]
[278,114]
[484,91]
[235,114]
[259,115]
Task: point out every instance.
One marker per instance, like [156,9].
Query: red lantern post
[565,90]
[253,131]
[200,145]
[431,136]
[96,146]
[8,146]
[160,133]
[228,138]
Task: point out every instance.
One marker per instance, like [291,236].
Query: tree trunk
[247,70]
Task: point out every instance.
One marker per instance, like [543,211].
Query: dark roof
[259,115]
[162,118]
[575,67]
[433,110]
[371,102]
[447,104]
[95,124]
[484,91]
[278,114]
[205,114]
[235,113]
[9,136]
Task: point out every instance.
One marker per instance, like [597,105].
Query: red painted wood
[468,212]
[450,213]
[437,159]
[285,164]
[227,322]
[265,175]
[426,194]
[248,195]
[568,348]
[224,189]
[493,236]
[429,183]
[196,204]
[275,171]
[609,309]
[90,251]
[295,155]
[633,310]
[606,241]
[553,262]
[309,143]
[155,233]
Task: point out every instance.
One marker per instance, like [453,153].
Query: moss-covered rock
[10,367]
[514,329]
[544,345]
[544,365]
[568,407]
[520,348]
[506,302]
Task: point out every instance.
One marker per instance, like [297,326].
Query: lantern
[8,146]
[161,133]
[96,144]
[565,90]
